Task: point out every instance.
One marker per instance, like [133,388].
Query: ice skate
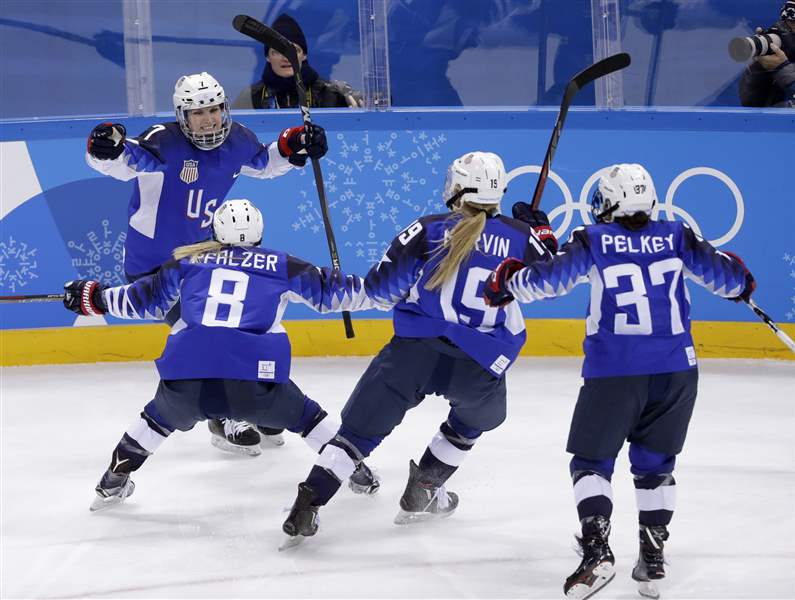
[597,568]
[302,521]
[112,490]
[364,480]
[270,438]
[238,437]
[650,568]
[424,500]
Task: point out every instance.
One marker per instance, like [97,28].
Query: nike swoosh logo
[234,175]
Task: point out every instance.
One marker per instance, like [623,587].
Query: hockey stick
[273,39]
[604,67]
[32,298]
[771,323]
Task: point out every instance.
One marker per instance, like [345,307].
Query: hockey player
[183,171]
[230,356]
[447,342]
[640,371]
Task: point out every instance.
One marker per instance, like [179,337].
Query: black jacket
[320,95]
[760,87]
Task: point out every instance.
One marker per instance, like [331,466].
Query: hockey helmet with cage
[623,191]
[238,223]
[201,91]
[475,178]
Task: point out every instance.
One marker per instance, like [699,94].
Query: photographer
[770,79]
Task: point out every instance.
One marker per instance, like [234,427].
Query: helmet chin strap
[455,197]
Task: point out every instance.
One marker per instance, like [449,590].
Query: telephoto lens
[742,49]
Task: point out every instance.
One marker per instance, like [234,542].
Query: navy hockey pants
[181,403]
[652,411]
[406,370]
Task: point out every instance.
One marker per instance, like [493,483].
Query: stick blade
[611,64]
[262,33]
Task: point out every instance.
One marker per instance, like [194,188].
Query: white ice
[206,524]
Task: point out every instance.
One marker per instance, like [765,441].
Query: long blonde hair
[194,250]
[458,243]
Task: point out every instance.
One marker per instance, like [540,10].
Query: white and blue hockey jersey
[491,336]
[232,302]
[178,187]
[638,321]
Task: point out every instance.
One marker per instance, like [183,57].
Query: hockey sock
[336,463]
[655,486]
[592,490]
[315,425]
[140,440]
[448,449]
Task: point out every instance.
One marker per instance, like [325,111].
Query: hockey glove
[495,292]
[750,282]
[297,144]
[106,141]
[538,220]
[84,297]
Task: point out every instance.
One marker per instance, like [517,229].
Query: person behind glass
[183,170]
[770,79]
[231,356]
[640,370]
[447,342]
[277,89]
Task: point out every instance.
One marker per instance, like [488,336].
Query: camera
[742,49]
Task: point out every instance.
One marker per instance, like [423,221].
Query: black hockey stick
[772,324]
[32,298]
[604,67]
[273,39]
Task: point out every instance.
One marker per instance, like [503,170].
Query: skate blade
[224,445]
[648,589]
[291,541]
[405,517]
[367,490]
[271,441]
[102,503]
[604,574]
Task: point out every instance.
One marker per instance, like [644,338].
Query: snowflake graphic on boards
[789,260]
[99,255]
[404,177]
[18,264]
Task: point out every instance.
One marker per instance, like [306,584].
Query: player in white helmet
[183,170]
[640,370]
[447,342]
[231,356]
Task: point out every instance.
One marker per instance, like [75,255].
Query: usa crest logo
[190,171]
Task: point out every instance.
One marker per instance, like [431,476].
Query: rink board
[61,220]
[547,337]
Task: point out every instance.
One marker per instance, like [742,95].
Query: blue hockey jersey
[639,316]
[491,336]
[232,302]
[178,187]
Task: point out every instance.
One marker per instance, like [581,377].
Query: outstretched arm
[710,268]
[325,290]
[391,280]
[150,297]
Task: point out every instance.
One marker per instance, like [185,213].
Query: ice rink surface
[207,524]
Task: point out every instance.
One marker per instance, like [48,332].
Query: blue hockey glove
[106,141]
[84,297]
[750,282]
[495,292]
[297,144]
[538,220]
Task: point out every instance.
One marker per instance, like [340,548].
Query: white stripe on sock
[662,497]
[321,433]
[148,438]
[442,449]
[590,486]
[337,461]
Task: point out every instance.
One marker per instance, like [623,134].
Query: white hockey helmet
[475,177]
[238,223]
[623,191]
[201,91]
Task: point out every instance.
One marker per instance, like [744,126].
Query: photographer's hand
[772,61]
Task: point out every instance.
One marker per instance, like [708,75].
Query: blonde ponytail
[458,243]
[194,250]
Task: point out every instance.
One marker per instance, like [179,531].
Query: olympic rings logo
[583,204]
